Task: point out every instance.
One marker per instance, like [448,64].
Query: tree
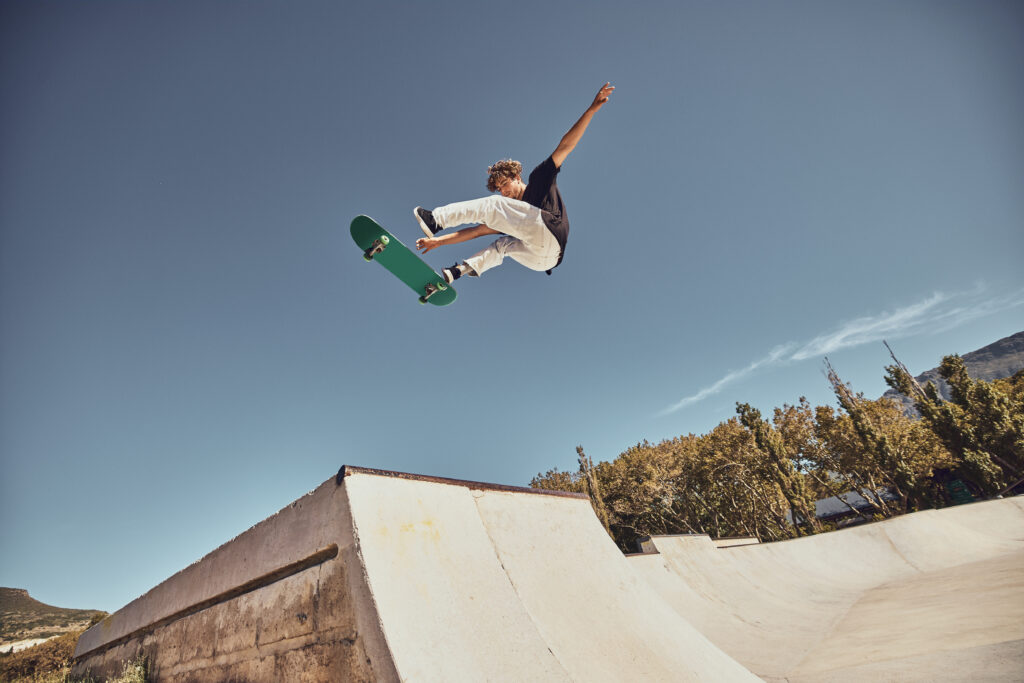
[895,452]
[751,503]
[556,480]
[813,453]
[593,489]
[718,484]
[781,469]
[982,425]
[640,490]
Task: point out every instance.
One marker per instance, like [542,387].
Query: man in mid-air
[530,216]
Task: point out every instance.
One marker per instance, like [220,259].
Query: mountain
[24,618]
[1002,359]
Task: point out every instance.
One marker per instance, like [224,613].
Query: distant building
[837,508]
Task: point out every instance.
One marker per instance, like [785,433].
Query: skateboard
[381,246]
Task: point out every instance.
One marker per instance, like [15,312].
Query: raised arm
[572,138]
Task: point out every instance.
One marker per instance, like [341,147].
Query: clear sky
[189,339]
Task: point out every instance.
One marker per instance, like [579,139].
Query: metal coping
[347,470]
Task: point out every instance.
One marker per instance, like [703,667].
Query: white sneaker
[426,220]
[453,273]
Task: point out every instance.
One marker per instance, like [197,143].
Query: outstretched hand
[602,96]
[425,244]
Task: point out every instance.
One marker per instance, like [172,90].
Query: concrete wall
[284,601]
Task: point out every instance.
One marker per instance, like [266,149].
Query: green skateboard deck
[381,246]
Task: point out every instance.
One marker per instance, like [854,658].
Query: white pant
[526,240]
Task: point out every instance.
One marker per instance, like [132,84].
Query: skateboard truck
[431,289]
[378,246]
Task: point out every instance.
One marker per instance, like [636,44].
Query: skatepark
[393,577]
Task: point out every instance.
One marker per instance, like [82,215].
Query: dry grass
[50,662]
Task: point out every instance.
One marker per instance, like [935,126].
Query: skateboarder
[530,216]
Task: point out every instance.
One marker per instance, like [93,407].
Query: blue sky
[189,340]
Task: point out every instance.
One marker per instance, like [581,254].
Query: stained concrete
[285,601]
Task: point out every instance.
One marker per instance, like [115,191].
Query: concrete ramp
[387,577]
[382,576]
[931,596]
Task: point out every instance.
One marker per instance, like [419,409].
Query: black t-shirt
[542,191]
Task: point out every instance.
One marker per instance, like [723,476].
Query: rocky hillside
[24,618]
[1002,359]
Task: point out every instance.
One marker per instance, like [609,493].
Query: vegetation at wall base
[50,662]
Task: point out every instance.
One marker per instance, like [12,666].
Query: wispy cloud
[937,313]
[902,322]
[776,356]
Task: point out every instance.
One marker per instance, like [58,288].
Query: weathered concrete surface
[253,611]
[932,596]
[378,576]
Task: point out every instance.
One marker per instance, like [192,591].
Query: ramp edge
[349,470]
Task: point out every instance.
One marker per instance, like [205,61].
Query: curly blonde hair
[506,169]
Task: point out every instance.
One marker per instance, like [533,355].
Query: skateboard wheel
[422,299]
[442,286]
[377,247]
